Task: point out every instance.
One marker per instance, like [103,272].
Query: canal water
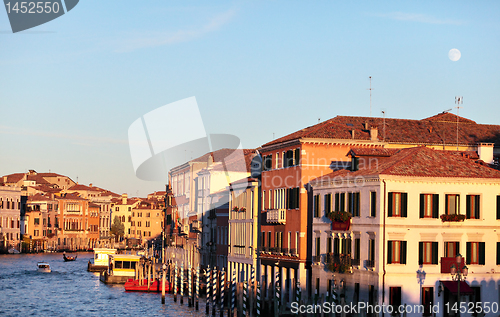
[69,290]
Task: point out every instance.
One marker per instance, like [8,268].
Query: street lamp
[459,274]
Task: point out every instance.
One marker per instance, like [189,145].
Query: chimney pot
[374,134]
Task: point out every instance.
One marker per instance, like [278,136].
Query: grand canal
[72,291]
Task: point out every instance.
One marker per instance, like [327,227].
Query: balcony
[370,263]
[293,252]
[276,216]
[316,258]
[355,262]
[338,262]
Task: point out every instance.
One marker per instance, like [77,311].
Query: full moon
[454,54]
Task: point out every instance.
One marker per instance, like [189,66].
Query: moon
[454,54]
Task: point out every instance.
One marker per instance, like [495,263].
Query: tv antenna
[370,89]
[459,100]
[383,113]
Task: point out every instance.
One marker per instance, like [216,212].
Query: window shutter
[297,197]
[349,202]
[342,202]
[468,254]
[476,205]
[389,205]
[404,205]
[373,211]
[297,156]
[403,252]
[337,202]
[498,253]
[498,207]
[435,206]
[446,211]
[389,252]
[420,253]
[481,253]
[422,207]
[357,203]
[336,246]
[467,212]
[434,253]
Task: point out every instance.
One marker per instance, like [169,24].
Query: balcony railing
[370,263]
[276,216]
[316,258]
[355,262]
[293,252]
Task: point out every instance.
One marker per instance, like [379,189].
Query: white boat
[44,267]
[13,250]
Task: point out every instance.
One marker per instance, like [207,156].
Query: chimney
[124,199]
[485,152]
[374,133]
[90,185]
[352,133]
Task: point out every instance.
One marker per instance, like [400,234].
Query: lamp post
[459,274]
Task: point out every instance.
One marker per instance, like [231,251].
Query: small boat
[44,267]
[69,258]
[13,250]
[155,286]
[120,269]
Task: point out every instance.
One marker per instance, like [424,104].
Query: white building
[398,243]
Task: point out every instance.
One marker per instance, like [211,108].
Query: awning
[452,286]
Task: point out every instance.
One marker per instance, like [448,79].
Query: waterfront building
[147,220]
[12,205]
[73,221]
[122,208]
[40,222]
[34,180]
[244,216]
[411,212]
[93,225]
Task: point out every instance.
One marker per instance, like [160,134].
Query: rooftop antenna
[319,120]
[383,113]
[273,135]
[459,100]
[370,89]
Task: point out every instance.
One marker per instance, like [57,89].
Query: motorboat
[154,286]
[44,267]
[121,267]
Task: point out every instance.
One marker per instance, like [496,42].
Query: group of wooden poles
[217,287]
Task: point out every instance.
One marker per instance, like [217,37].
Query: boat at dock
[101,260]
[155,286]
[44,267]
[121,267]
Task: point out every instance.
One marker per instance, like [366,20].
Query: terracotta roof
[234,162]
[46,188]
[360,151]
[72,196]
[437,129]
[84,187]
[13,178]
[92,205]
[39,197]
[245,180]
[421,162]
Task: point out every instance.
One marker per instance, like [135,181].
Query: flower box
[341,220]
[452,218]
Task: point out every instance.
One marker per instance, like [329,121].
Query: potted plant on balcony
[341,220]
[338,267]
[452,218]
[243,209]
[235,208]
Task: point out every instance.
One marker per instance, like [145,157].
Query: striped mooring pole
[190,286]
[197,285]
[182,282]
[233,292]
[207,276]
[175,283]
[251,291]
[214,289]
[245,297]
[277,292]
[258,300]
[222,290]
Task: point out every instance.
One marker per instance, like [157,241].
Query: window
[37,221]
[472,210]
[263,239]
[346,246]
[336,245]
[267,162]
[429,204]
[357,249]
[475,253]
[339,201]
[373,204]
[353,204]
[498,207]
[329,245]
[371,251]
[117,208]
[395,299]
[328,203]
[398,204]
[396,252]
[451,249]
[427,253]
[269,235]
[292,198]
[316,206]
[452,204]
[427,300]
[318,246]
[498,253]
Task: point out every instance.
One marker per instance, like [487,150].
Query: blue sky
[71,87]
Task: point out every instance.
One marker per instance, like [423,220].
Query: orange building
[73,222]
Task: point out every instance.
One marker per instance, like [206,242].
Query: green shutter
[476,207]
[337,201]
[403,252]
[467,212]
[434,253]
[389,206]
[422,207]
[468,253]
[389,252]
[435,206]
[481,253]
[498,207]
[498,252]
[297,156]
[420,253]
[404,205]
[373,211]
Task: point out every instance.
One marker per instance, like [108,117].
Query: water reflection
[71,290]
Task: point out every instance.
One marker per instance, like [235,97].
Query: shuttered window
[429,206]
[472,211]
[396,252]
[427,253]
[475,253]
[398,205]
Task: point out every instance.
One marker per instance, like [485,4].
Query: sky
[71,88]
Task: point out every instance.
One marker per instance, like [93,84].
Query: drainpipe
[383,244]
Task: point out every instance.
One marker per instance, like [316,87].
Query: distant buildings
[12,204]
